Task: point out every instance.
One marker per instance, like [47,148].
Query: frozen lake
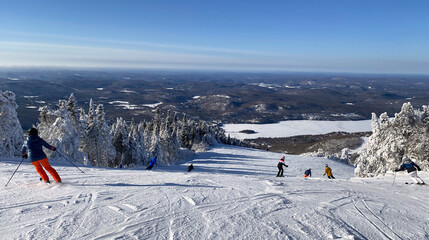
[296,127]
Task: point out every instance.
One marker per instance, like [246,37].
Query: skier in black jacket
[191,167]
[280,166]
[411,168]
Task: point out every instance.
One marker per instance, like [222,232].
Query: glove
[54,149]
[286,165]
[25,156]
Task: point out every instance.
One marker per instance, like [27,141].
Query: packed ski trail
[233,193]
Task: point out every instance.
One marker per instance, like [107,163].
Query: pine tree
[155,149]
[106,150]
[71,106]
[88,139]
[57,128]
[140,150]
[184,134]
[121,143]
[10,128]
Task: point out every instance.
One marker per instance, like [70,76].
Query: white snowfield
[233,193]
[296,127]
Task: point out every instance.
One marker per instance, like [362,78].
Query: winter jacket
[191,167]
[307,173]
[152,162]
[281,164]
[409,166]
[328,171]
[34,146]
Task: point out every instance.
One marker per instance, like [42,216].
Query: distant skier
[191,167]
[411,168]
[152,163]
[33,145]
[280,166]
[328,172]
[307,173]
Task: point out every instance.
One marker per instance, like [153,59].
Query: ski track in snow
[232,194]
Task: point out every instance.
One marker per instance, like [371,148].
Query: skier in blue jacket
[412,169]
[307,173]
[33,148]
[152,163]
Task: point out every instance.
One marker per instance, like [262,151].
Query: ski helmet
[33,132]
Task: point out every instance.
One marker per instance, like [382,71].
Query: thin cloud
[146,44]
[44,54]
[31,54]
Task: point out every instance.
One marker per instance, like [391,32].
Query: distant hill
[222,97]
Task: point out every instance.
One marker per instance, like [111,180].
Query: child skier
[191,167]
[307,173]
[33,144]
[411,168]
[328,172]
[152,163]
[280,166]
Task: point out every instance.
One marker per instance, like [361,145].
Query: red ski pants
[45,163]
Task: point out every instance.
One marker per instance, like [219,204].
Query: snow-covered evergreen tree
[106,151]
[184,133]
[121,143]
[138,144]
[11,134]
[71,107]
[57,128]
[407,134]
[88,139]
[168,141]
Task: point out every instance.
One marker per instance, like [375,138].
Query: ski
[410,183]
[48,182]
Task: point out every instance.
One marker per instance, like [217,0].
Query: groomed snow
[232,194]
[296,127]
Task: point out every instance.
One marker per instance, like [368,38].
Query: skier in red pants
[38,158]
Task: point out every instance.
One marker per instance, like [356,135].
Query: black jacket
[409,166]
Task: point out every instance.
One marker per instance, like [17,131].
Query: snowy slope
[232,194]
[296,127]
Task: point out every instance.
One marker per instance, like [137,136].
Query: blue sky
[384,36]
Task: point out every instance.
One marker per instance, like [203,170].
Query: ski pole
[14,172]
[69,161]
[394,177]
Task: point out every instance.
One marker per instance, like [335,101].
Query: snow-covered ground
[232,194]
[296,127]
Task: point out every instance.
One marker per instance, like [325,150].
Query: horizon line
[192,70]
